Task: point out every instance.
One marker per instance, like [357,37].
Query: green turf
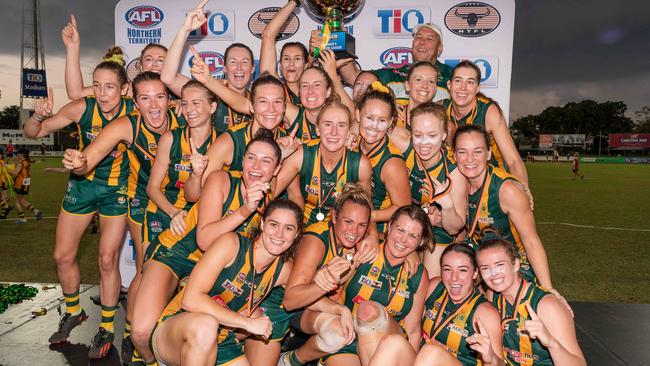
[587,264]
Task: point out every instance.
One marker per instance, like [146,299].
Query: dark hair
[146,76]
[266,79]
[433,109]
[328,81]
[490,238]
[415,212]
[150,46]
[469,129]
[462,249]
[334,104]
[113,60]
[420,64]
[373,94]
[467,64]
[354,193]
[303,49]
[266,136]
[239,45]
[283,204]
[363,72]
[209,94]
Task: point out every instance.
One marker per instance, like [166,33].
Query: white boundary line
[592,227]
[29,218]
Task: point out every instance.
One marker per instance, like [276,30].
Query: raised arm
[42,123]
[497,126]
[219,154]
[169,74]
[74,83]
[515,204]
[331,65]
[268,54]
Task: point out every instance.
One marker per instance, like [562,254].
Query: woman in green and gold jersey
[103,189]
[455,312]
[200,325]
[167,205]
[421,88]
[538,329]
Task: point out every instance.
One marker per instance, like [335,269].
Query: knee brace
[365,324]
[329,340]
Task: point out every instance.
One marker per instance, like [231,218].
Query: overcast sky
[564,50]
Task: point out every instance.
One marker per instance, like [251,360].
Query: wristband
[37,117]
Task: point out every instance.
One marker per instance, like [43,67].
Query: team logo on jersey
[135,202]
[215,62]
[228,285]
[396,57]
[258,21]
[155,226]
[375,270]
[144,21]
[363,280]
[121,200]
[152,147]
[472,19]
[186,157]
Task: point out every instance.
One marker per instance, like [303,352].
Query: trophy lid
[318,8]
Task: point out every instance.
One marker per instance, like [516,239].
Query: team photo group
[307,211]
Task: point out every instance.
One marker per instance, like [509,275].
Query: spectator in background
[10,148]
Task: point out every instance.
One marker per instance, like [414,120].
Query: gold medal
[320,216]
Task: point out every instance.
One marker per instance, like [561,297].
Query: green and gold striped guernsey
[320,187]
[238,286]
[306,130]
[291,97]
[241,135]
[450,324]
[477,117]
[185,245]
[142,152]
[225,117]
[394,78]
[179,168]
[421,181]
[484,209]
[323,230]
[378,156]
[518,347]
[112,170]
[383,283]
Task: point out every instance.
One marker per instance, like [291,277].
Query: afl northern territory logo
[472,19]
[258,21]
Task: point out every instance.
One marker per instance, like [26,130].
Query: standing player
[575,166]
[22,182]
[5,182]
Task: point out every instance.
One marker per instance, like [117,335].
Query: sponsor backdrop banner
[547,141]
[630,140]
[16,137]
[479,31]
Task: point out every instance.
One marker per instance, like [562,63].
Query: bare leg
[136,235]
[187,339]
[327,339]
[432,354]
[261,353]
[156,289]
[69,229]
[393,349]
[110,242]
[372,324]
[345,359]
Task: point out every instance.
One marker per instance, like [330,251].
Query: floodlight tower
[32,56]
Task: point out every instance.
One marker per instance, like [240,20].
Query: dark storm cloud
[579,41]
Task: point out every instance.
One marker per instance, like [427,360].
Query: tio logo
[217,25]
[399,23]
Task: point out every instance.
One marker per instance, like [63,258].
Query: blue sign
[34,83]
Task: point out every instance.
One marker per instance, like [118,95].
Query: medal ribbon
[317,173]
[470,119]
[265,285]
[429,180]
[439,324]
[482,201]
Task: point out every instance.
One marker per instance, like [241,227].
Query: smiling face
[497,268]
[333,127]
[314,89]
[197,109]
[463,86]
[153,59]
[260,163]
[404,237]
[268,106]
[427,135]
[374,120]
[362,83]
[426,45]
[350,223]
[239,68]
[422,84]
[292,63]
[471,154]
[152,101]
[458,275]
[107,90]
[279,230]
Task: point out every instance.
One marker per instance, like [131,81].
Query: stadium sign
[630,141]
[34,83]
[549,141]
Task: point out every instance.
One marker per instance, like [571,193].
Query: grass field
[587,264]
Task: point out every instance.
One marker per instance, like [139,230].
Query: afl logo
[472,19]
[133,68]
[258,21]
[396,57]
[214,61]
[144,16]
